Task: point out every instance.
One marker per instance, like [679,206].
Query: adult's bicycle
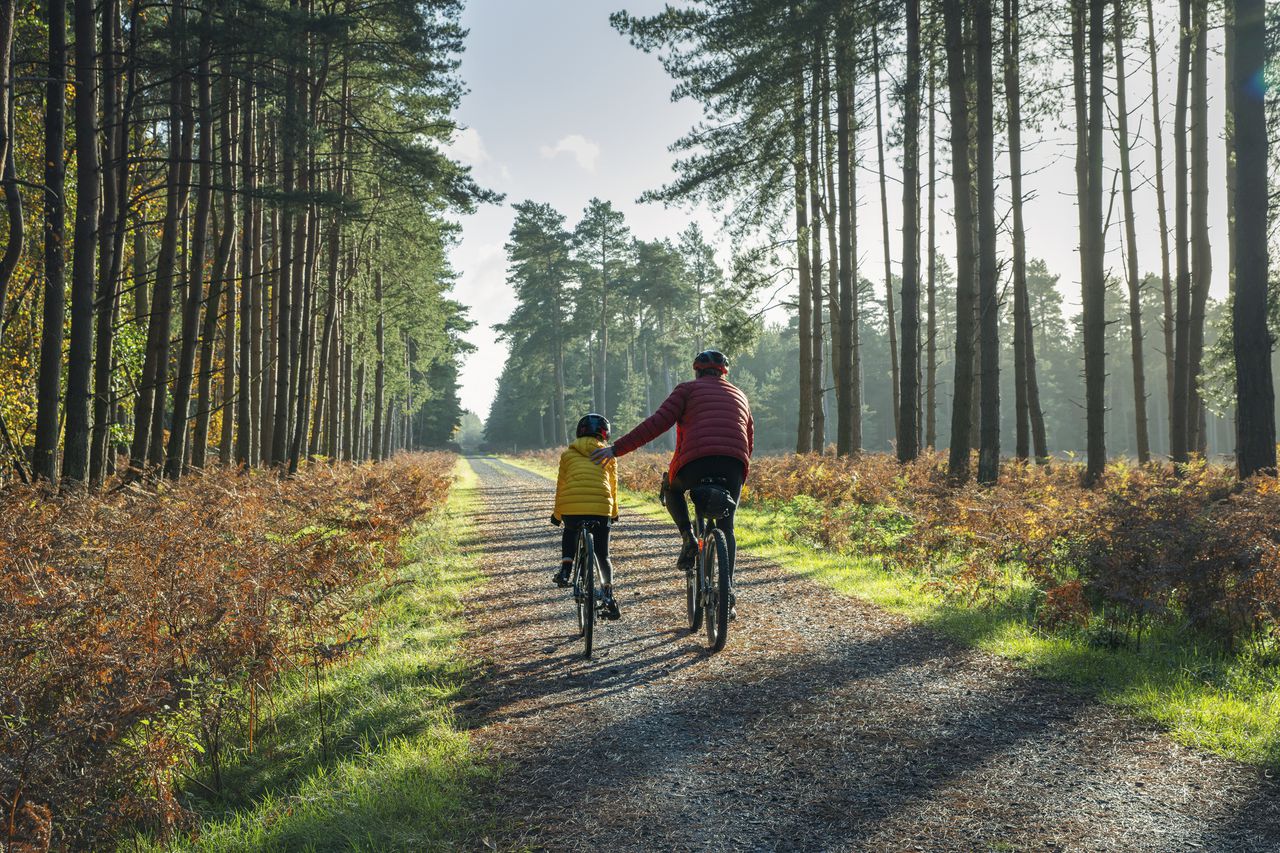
[588,585]
[708,594]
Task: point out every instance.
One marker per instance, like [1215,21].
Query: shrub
[134,624]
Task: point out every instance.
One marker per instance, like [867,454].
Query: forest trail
[826,724]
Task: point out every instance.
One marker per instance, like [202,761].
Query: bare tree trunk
[380,422]
[12,198]
[1201,251]
[250,312]
[1131,240]
[817,407]
[848,439]
[174,460]
[884,238]
[988,272]
[830,214]
[1013,100]
[107,297]
[1179,447]
[49,382]
[931,368]
[1166,279]
[958,461]
[75,452]
[1255,392]
[907,421]
[804,425]
[1089,189]
[178,187]
[224,278]
[284,323]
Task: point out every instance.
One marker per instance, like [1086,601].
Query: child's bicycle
[708,596]
[588,588]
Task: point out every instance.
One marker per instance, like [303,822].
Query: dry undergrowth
[138,628]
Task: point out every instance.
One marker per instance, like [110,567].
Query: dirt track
[826,724]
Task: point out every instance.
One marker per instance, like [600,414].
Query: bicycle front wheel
[715,559]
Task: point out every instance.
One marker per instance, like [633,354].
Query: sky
[562,108]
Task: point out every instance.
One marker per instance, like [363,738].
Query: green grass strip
[1204,697]
[395,772]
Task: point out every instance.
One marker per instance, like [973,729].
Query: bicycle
[588,589]
[708,597]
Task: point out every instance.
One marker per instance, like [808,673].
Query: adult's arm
[654,425]
[751,435]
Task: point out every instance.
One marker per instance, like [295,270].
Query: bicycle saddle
[712,501]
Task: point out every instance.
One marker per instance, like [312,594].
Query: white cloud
[582,149]
[467,147]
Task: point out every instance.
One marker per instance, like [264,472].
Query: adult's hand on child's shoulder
[602,455]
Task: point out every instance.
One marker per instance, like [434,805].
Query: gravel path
[826,724]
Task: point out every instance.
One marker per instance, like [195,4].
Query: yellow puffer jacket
[583,487]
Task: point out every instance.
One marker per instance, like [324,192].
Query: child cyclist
[587,492]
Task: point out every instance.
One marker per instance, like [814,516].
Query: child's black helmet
[593,424]
[711,359]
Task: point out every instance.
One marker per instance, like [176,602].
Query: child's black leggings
[599,538]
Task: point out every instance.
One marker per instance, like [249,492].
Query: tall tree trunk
[1013,101]
[1255,392]
[380,422]
[177,186]
[9,182]
[1131,241]
[831,215]
[931,333]
[817,406]
[1088,92]
[1229,134]
[1166,279]
[962,404]
[884,237]
[250,312]
[75,452]
[847,437]
[284,321]
[107,298]
[907,421]
[804,425]
[988,272]
[1179,446]
[223,282]
[49,382]
[1201,252]
[175,457]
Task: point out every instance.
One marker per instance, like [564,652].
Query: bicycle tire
[580,580]
[588,605]
[693,595]
[716,548]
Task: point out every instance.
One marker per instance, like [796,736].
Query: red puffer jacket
[712,418]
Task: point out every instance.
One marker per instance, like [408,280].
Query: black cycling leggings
[599,541]
[731,470]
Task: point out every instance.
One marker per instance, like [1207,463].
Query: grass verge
[373,759]
[1205,697]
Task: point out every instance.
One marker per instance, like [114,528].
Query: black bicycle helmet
[593,424]
[711,359]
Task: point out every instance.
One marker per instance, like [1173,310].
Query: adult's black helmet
[593,424]
[711,359]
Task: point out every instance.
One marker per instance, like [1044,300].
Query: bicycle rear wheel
[587,598]
[693,595]
[716,576]
[580,578]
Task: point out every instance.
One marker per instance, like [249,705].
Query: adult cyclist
[715,437]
